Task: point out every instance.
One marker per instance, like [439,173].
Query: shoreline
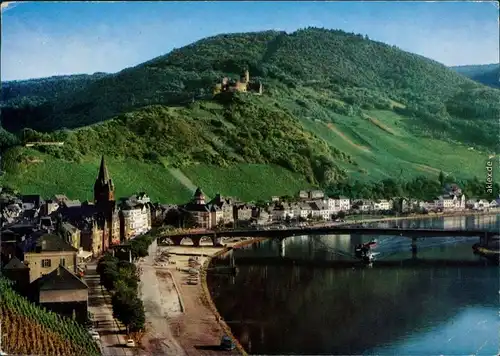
[425,216]
[206,292]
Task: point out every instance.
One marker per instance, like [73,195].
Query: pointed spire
[198,192]
[103,172]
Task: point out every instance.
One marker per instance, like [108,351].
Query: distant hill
[335,105]
[487,74]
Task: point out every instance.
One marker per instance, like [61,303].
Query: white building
[136,220]
[337,204]
[363,205]
[483,204]
[320,210]
[450,202]
[382,205]
[495,203]
[281,212]
[302,210]
[428,205]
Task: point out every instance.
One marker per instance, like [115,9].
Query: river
[282,309]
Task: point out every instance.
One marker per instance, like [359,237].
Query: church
[106,222]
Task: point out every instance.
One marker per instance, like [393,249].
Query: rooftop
[51,243]
[60,279]
[15,263]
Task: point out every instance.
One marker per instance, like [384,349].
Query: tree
[173,217]
[441,179]
[188,220]
[109,275]
[128,308]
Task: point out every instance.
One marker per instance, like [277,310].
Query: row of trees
[121,278]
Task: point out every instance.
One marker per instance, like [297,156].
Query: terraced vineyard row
[28,329]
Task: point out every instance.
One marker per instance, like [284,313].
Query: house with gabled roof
[47,253]
[227,206]
[495,203]
[320,210]
[62,292]
[19,273]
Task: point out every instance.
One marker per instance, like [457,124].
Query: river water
[278,308]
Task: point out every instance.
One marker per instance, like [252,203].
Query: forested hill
[335,105]
[487,74]
[47,88]
[332,60]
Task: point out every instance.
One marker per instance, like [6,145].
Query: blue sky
[44,39]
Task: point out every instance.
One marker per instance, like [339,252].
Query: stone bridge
[216,236]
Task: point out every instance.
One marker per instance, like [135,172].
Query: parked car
[227,344]
[95,335]
[130,343]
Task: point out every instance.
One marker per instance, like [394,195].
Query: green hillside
[335,107]
[487,74]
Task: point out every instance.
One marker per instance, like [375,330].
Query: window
[46,263]
[62,262]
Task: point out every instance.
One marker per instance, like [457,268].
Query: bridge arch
[206,240]
[167,241]
[187,241]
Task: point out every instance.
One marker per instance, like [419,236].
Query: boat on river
[364,252]
[490,250]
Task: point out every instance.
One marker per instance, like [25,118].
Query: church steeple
[103,172]
[104,190]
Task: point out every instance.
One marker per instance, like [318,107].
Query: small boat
[364,252]
[489,252]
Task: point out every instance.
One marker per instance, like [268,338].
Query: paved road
[100,306]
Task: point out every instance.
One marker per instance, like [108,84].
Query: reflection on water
[296,310]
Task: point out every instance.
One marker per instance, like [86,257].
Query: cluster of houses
[46,243]
[314,205]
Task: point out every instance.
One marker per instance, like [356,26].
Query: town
[46,244]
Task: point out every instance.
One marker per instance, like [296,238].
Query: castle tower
[104,190]
[199,197]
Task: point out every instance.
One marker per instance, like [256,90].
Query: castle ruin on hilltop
[242,85]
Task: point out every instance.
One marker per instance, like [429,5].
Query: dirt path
[161,304]
[347,139]
[182,178]
[179,324]
[197,329]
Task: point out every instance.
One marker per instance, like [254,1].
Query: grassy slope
[56,176]
[382,156]
[246,181]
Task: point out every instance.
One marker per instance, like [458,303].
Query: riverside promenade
[180,316]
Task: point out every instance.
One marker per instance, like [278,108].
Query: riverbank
[361,218]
